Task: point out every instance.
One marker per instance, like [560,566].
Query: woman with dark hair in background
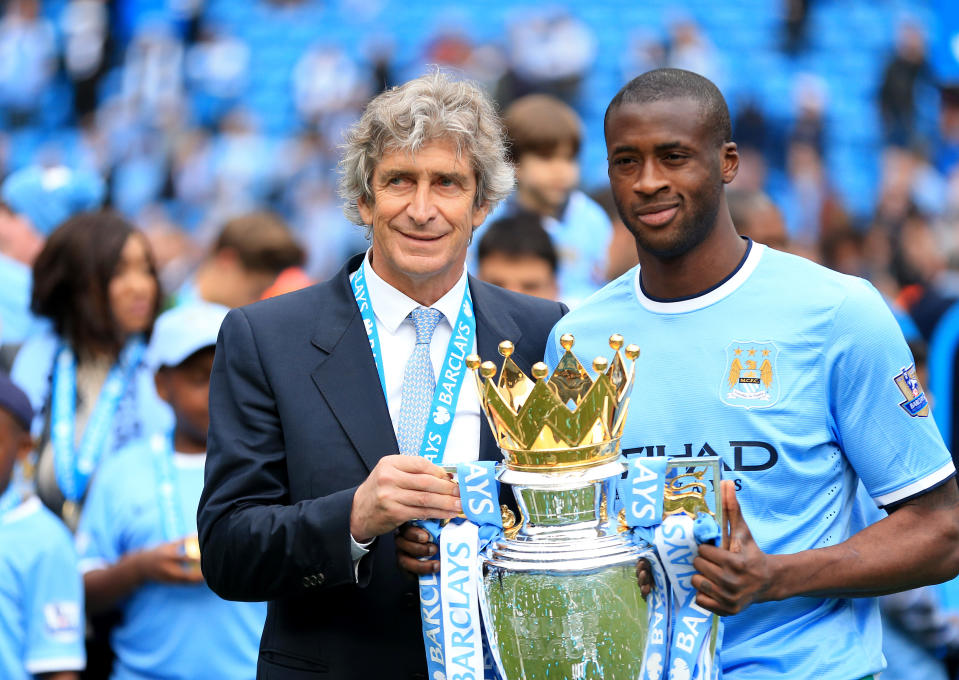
[96,282]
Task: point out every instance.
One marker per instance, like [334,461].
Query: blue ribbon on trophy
[479,493]
[678,641]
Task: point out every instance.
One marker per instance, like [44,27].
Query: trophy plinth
[560,598]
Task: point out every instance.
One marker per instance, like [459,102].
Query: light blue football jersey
[799,378]
[171,631]
[41,593]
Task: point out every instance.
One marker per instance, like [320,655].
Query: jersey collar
[707,297]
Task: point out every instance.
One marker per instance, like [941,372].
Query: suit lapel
[346,374]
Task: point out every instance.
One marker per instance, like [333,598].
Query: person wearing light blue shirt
[796,376]
[137,534]
[41,597]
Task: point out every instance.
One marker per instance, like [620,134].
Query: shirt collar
[391,306]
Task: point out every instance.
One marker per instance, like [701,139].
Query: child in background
[41,596]
[137,534]
[517,254]
[544,139]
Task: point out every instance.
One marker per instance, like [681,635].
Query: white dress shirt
[397,340]
[391,309]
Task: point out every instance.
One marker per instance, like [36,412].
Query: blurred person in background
[33,201]
[550,52]
[517,254]
[544,142]
[622,247]
[41,607]
[95,281]
[137,536]
[28,60]
[248,255]
[905,71]
[329,87]
[689,49]
[927,287]
[217,70]
[811,205]
[86,51]
[755,216]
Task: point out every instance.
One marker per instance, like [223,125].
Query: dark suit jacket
[298,421]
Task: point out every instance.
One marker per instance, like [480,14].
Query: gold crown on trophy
[566,420]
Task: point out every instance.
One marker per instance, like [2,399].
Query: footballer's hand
[644,577]
[734,576]
[413,546]
[400,489]
[167,563]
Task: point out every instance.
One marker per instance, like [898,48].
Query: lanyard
[168,490]
[451,376]
[74,467]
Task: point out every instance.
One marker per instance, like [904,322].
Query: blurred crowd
[209,129]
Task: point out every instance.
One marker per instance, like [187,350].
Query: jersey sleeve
[54,603]
[879,411]
[98,536]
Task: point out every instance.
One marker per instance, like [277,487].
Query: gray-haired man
[316,396]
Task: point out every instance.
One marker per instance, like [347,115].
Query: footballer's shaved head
[673,83]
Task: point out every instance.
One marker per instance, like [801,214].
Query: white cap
[183,330]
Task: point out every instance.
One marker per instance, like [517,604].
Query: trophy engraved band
[559,595]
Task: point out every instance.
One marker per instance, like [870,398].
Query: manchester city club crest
[916,403]
[751,378]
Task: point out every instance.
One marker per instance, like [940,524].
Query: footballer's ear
[729,161]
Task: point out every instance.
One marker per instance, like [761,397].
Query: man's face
[666,171]
[523,274]
[543,183]
[186,388]
[422,214]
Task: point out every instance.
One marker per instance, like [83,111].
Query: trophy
[559,594]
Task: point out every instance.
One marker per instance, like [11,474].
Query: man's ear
[729,162]
[366,211]
[480,214]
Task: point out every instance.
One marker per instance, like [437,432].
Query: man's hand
[400,489]
[166,563]
[732,577]
[412,544]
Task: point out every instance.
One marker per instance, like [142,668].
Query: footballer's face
[667,168]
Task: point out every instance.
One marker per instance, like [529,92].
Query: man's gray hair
[407,117]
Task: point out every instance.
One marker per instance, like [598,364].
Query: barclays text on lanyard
[74,467]
[437,620]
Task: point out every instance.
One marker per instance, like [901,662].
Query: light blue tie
[418,383]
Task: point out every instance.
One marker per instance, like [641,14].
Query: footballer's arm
[916,545]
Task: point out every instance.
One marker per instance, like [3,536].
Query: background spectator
[516,253]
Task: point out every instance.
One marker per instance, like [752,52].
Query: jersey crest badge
[916,403]
[751,378]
